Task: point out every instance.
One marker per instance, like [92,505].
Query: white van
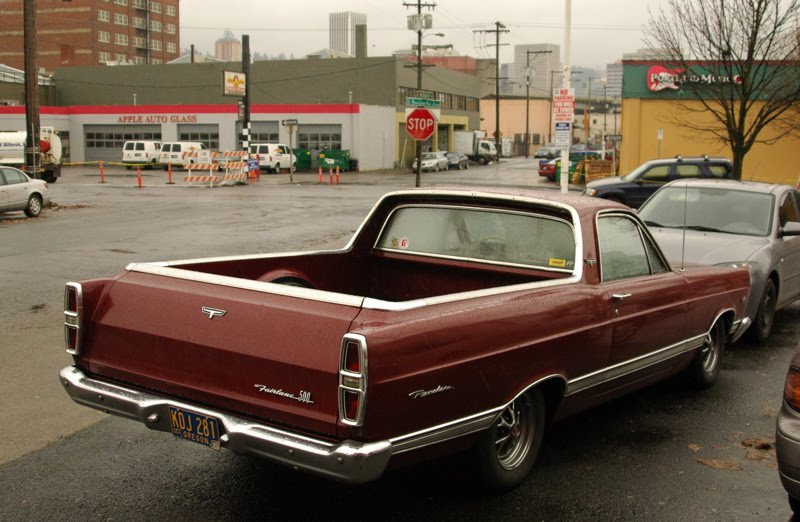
[140,153]
[172,153]
[273,157]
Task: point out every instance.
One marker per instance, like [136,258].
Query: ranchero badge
[420,394]
[213,312]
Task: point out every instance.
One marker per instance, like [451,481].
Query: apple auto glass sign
[661,78]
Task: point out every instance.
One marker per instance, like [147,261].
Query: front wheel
[34,206]
[277,168]
[704,370]
[507,451]
[765,316]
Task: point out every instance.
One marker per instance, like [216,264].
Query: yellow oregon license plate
[195,427]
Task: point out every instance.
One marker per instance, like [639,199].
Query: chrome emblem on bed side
[213,312]
[420,394]
[303,396]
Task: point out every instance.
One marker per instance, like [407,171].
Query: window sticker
[560,263]
[401,243]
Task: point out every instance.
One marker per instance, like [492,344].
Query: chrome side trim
[346,461]
[247,284]
[633,365]
[444,432]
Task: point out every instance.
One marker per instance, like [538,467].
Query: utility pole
[498,29]
[419,26]
[246,101]
[528,98]
[550,121]
[31,89]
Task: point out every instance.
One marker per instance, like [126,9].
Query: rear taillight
[791,391]
[353,379]
[73,311]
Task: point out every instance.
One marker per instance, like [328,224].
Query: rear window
[167,147]
[720,170]
[497,236]
[140,146]
[129,146]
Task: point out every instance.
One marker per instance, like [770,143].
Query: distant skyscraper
[614,79]
[342,28]
[228,48]
[543,59]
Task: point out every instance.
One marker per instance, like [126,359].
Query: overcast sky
[601,30]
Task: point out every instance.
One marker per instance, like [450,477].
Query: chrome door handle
[619,297]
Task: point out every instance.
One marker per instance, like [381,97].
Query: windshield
[711,210]
[428,156]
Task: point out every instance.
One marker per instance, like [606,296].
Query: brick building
[91,32]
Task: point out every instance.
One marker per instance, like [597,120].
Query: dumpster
[334,158]
[303,158]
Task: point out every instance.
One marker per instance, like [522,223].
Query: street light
[589,112]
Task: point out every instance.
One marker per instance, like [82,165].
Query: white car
[19,192]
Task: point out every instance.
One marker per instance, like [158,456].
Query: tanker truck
[12,152]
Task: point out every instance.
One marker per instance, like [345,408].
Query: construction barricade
[209,178]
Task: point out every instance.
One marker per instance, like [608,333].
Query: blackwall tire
[765,316]
[34,206]
[507,451]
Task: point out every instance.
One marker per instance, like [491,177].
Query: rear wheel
[704,370]
[765,316]
[277,168]
[794,504]
[507,451]
[34,206]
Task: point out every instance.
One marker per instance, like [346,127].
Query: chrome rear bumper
[347,461]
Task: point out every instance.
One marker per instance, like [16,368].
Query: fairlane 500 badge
[420,394]
[303,396]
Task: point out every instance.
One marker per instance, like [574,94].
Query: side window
[622,253]
[789,211]
[203,146]
[658,173]
[13,177]
[688,171]
[2,177]
[129,146]
[719,171]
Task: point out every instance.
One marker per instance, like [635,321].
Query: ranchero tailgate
[261,354]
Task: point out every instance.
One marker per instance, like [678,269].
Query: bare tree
[739,60]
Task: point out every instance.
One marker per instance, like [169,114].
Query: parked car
[634,188]
[453,319]
[787,434]
[432,161]
[145,152]
[728,222]
[20,192]
[546,153]
[552,169]
[457,160]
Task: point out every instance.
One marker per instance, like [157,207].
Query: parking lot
[660,454]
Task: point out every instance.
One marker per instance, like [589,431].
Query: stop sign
[420,124]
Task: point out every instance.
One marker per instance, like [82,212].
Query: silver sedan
[19,192]
[727,222]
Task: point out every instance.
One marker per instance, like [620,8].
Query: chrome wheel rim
[710,352]
[765,321]
[514,433]
[35,206]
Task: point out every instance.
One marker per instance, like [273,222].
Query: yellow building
[652,109]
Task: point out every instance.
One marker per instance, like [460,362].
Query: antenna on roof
[685,209]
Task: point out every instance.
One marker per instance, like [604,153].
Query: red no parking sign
[420,124]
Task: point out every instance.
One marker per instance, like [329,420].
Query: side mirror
[792,228]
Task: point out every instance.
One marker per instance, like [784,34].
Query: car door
[647,183]
[3,191]
[17,187]
[787,249]
[648,300]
